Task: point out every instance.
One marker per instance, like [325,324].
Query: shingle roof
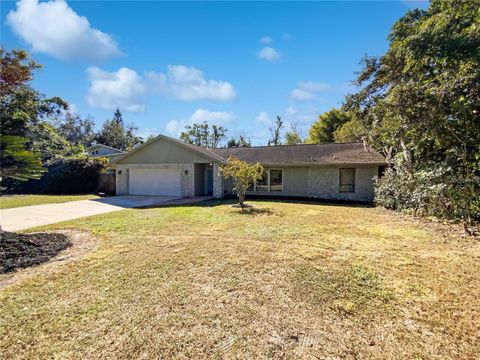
[318,154]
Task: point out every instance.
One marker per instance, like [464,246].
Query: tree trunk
[241,199]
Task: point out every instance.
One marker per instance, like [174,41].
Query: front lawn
[13,201]
[282,280]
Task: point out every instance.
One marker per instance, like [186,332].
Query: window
[347,180]
[262,184]
[276,180]
[272,180]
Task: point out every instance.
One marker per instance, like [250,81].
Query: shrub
[68,176]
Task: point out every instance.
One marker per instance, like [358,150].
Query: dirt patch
[25,255]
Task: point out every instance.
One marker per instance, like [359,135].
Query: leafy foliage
[419,103]
[244,175]
[69,176]
[323,129]
[241,142]
[115,133]
[16,161]
[293,136]
[76,130]
[203,135]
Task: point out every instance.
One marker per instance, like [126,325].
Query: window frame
[340,180]
[268,190]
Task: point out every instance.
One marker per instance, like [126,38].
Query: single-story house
[167,166]
[100,150]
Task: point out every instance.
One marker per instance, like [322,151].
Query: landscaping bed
[23,250]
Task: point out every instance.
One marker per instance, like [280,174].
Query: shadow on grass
[253,211]
[230,200]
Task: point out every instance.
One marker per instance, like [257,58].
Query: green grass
[285,280]
[13,201]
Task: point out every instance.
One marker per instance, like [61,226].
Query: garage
[155,182]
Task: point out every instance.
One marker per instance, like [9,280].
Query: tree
[276,132]
[116,134]
[16,162]
[293,136]
[241,142]
[420,102]
[201,134]
[16,69]
[244,175]
[351,131]
[323,129]
[76,130]
[26,118]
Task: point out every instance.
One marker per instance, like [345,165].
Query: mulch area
[23,250]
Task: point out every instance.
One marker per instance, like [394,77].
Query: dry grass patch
[286,280]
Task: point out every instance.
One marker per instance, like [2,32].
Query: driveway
[30,216]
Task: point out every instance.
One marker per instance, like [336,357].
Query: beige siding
[322,182]
[161,152]
[295,182]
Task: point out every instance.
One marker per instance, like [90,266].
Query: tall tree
[201,134]
[323,129]
[116,134]
[27,116]
[420,101]
[276,132]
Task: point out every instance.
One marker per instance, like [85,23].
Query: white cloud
[109,90]
[268,53]
[188,84]
[263,118]
[301,117]
[266,40]
[53,28]
[175,127]
[306,90]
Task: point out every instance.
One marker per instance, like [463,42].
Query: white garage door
[154,182]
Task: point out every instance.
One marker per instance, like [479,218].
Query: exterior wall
[323,183]
[218,183]
[199,179]
[161,152]
[295,182]
[187,176]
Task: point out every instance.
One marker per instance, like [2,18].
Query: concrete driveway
[30,216]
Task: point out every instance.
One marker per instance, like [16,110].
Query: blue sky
[166,65]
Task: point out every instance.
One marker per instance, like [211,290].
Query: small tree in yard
[243,174]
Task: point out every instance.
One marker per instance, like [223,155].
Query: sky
[170,64]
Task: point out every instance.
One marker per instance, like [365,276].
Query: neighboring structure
[166,166]
[100,150]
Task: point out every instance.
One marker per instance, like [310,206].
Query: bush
[432,191]
[68,176]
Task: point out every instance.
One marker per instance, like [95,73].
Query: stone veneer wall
[323,183]
[186,180]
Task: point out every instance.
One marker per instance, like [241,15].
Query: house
[167,166]
[100,150]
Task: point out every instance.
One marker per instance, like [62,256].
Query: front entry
[209,181]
